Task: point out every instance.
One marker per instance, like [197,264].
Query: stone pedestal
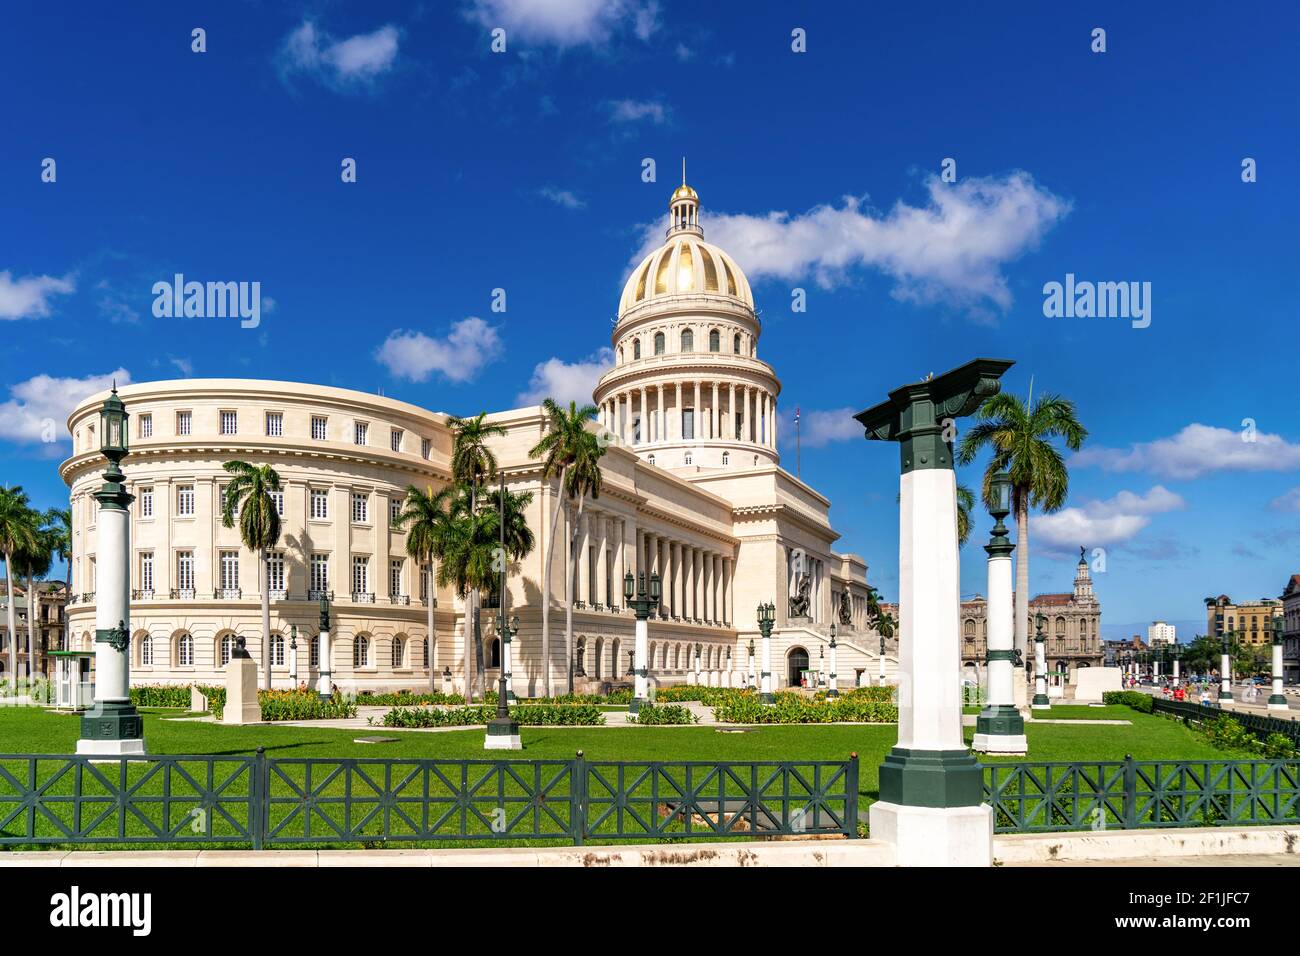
[935,836]
[241,692]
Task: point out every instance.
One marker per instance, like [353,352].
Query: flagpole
[798,446]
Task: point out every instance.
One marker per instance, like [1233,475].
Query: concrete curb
[1145,844]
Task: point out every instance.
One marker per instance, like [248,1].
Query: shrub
[664,714]
[160,695]
[1227,733]
[1278,747]
[277,705]
[528,715]
[792,708]
[1132,698]
[710,696]
[406,699]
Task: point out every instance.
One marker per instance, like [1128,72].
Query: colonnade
[655,413]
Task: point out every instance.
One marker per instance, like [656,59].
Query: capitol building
[693,490]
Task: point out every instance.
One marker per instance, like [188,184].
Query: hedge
[1135,699]
[161,695]
[278,705]
[792,708]
[650,714]
[528,715]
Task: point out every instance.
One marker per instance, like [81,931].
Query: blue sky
[819,170]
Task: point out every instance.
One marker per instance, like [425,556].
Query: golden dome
[684,192]
[685,265]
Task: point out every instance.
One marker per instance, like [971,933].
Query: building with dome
[693,490]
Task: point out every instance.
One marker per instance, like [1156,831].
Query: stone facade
[696,494]
[50,622]
[1291,630]
[1251,621]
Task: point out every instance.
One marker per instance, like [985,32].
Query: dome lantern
[685,208]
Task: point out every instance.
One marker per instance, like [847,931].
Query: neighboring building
[1073,628]
[692,490]
[1113,652]
[50,622]
[1291,630]
[1161,633]
[1252,622]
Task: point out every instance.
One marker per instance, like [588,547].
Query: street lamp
[293,656]
[325,679]
[766,618]
[751,678]
[1041,701]
[503,730]
[112,727]
[642,604]
[833,690]
[1000,728]
[1225,670]
[882,660]
[1276,701]
[1176,652]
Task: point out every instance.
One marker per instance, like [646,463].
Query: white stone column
[1225,677]
[602,560]
[673,587]
[620,557]
[771,428]
[713,413]
[1276,699]
[583,590]
[731,414]
[695,415]
[1000,728]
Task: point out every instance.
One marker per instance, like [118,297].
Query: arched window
[399,652]
[361,651]
[494,653]
[620,355]
[146,651]
[688,340]
[726,457]
[579,655]
[636,349]
[688,458]
[735,344]
[659,343]
[313,655]
[715,340]
[968,630]
[1060,627]
[650,660]
[651,460]
[185,650]
[277,650]
[227,649]
[599,658]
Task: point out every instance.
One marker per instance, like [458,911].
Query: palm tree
[466,553]
[583,479]
[17,532]
[965,505]
[249,493]
[1020,436]
[566,434]
[425,517]
[886,625]
[35,563]
[58,522]
[472,463]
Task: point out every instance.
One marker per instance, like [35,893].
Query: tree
[472,463]
[886,625]
[34,562]
[965,505]
[1020,436]
[58,522]
[249,494]
[425,517]
[583,479]
[561,446]
[17,532]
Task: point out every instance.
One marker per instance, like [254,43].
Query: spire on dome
[685,208]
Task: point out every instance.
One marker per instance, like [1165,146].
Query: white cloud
[567,23]
[459,357]
[1288,501]
[951,249]
[819,428]
[633,111]
[566,381]
[1101,523]
[357,59]
[29,297]
[562,197]
[38,409]
[1195,451]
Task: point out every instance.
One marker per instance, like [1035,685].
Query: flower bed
[278,705]
[792,708]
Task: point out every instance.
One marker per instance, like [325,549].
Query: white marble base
[935,836]
[111,748]
[1007,744]
[502,742]
[1040,706]
[1282,707]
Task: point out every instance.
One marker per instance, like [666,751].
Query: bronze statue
[800,603]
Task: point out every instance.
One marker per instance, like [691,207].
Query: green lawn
[29,730]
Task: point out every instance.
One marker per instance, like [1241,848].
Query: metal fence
[265,802]
[1261,725]
[1141,794]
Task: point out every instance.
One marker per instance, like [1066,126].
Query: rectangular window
[146,571]
[360,575]
[229,423]
[360,509]
[425,447]
[146,426]
[360,433]
[320,504]
[318,428]
[229,562]
[395,578]
[185,570]
[275,571]
[688,423]
[320,573]
[278,498]
[395,440]
[146,502]
[182,423]
[185,501]
[274,424]
[394,509]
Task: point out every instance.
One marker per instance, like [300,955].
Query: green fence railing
[1141,794]
[277,802]
[1261,725]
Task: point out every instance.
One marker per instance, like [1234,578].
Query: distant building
[1073,628]
[1252,622]
[1161,633]
[1291,630]
[50,620]
[1115,651]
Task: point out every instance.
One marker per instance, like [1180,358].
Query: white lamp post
[1225,672]
[999,728]
[293,656]
[1041,701]
[635,596]
[751,679]
[112,727]
[833,690]
[325,678]
[1276,700]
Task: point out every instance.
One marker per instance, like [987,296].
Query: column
[696,610]
[731,414]
[602,561]
[1000,729]
[584,557]
[772,429]
[638,568]
[706,585]
[619,418]
[719,590]
[730,604]
[713,413]
[675,426]
[660,418]
[675,572]
[696,416]
[620,558]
